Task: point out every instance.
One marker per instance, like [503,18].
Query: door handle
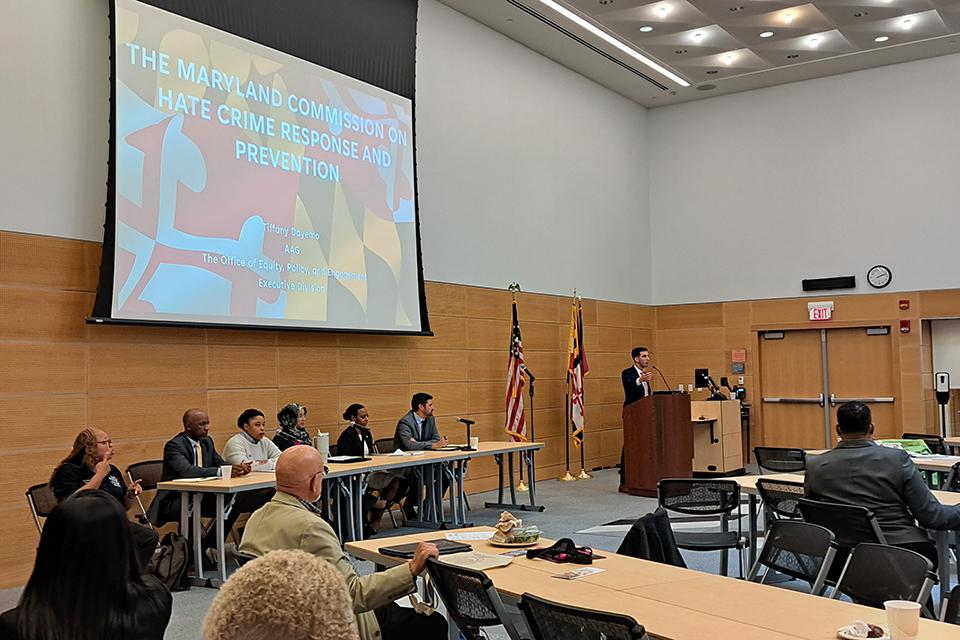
[834,400]
[818,400]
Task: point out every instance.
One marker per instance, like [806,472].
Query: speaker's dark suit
[408,437]
[631,390]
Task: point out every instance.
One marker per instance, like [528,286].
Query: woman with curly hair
[292,419]
[288,594]
[88,467]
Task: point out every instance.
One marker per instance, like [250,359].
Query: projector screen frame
[104,294]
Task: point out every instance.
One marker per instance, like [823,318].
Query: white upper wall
[527,171]
[751,193]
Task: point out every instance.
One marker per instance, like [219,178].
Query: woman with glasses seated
[88,467]
[85,583]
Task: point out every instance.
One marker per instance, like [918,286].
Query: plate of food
[860,630]
[511,532]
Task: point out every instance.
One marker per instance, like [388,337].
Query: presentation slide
[256,188]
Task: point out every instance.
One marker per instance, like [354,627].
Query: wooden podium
[657,442]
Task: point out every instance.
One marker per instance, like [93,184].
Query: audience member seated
[285,594]
[191,454]
[88,467]
[292,419]
[86,584]
[252,445]
[292,521]
[356,440]
[861,472]
[417,431]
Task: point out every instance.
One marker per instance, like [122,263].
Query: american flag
[516,424]
[577,370]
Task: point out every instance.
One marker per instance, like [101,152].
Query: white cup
[474,442]
[226,471]
[903,617]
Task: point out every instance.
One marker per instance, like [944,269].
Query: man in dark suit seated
[862,473]
[417,431]
[191,454]
[636,385]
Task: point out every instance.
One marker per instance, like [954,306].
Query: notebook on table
[406,550]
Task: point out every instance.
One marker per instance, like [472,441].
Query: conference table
[952,442]
[670,602]
[748,484]
[346,483]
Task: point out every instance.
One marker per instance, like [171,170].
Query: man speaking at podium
[636,385]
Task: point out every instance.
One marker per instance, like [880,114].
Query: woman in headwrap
[292,418]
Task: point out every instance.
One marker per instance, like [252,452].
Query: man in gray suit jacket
[417,431]
[861,472]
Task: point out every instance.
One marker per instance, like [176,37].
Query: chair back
[781,497]
[851,525]
[551,621]
[148,473]
[699,497]
[951,607]
[41,500]
[780,459]
[651,538]
[876,573]
[383,445]
[798,549]
[934,442]
[952,483]
[470,598]
[333,449]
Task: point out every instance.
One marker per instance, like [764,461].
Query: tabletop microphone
[466,421]
[527,371]
[661,376]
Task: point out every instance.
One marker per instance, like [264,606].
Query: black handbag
[563,550]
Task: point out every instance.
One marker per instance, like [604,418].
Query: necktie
[196,446]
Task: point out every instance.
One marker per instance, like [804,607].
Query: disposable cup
[903,618]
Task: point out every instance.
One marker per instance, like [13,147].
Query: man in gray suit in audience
[417,431]
[886,481]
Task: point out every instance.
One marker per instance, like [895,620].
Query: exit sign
[820,310]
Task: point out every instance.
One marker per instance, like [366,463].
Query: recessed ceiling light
[814,41]
[611,40]
[788,18]
[729,58]
[881,38]
[698,36]
[907,23]
[766,34]
[663,10]
[646,29]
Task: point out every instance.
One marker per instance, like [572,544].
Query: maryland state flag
[516,424]
[577,370]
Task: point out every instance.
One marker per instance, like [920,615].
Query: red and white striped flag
[577,370]
[516,424]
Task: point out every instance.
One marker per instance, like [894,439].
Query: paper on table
[398,452]
[578,573]
[197,479]
[476,560]
[469,535]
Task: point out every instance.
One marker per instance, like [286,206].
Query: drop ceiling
[723,46]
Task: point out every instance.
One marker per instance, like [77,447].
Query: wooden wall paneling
[448,333]
[613,314]
[487,397]
[138,366]
[689,316]
[43,316]
[231,367]
[613,340]
[565,304]
[940,304]
[486,366]
[547,422]
[537,336]
[535,307]
[46,262]
[690,339]
[602,391]
[450,400]
[43,368]
[492,304]
[430,365]
[20,538]
[608,365]
[641,338]
[313,365]
[57,418]
[383,401]
[134,334]
[445,299]
[225,405]
[248,337]
[323,404]
[547,365]
[141,414]
[373,366]
[641,316]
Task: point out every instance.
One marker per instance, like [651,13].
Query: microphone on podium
[661,376]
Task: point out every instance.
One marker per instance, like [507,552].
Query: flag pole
[521,486]
[567,476]
[583,475]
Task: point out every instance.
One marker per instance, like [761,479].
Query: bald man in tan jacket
[291,521]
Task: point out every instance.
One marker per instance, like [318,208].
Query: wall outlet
[690,388]
[740,380]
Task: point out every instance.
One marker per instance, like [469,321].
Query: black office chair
[876,573]
[149,474]
[42,501]
[651,538]
[383,446]
[780,499]
[471,599]
[950,611]
[797,549]
[551,621]
[952,481]
[851,525]
[780,459]
[705,498]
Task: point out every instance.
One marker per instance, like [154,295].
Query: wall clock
[879,276]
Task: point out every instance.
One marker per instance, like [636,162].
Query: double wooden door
[806,374]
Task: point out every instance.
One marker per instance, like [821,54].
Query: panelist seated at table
[417,431]
[191,454]
[357,440]
[292,521]
[292,419]
[886,481]
[87,467]
[252,445]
